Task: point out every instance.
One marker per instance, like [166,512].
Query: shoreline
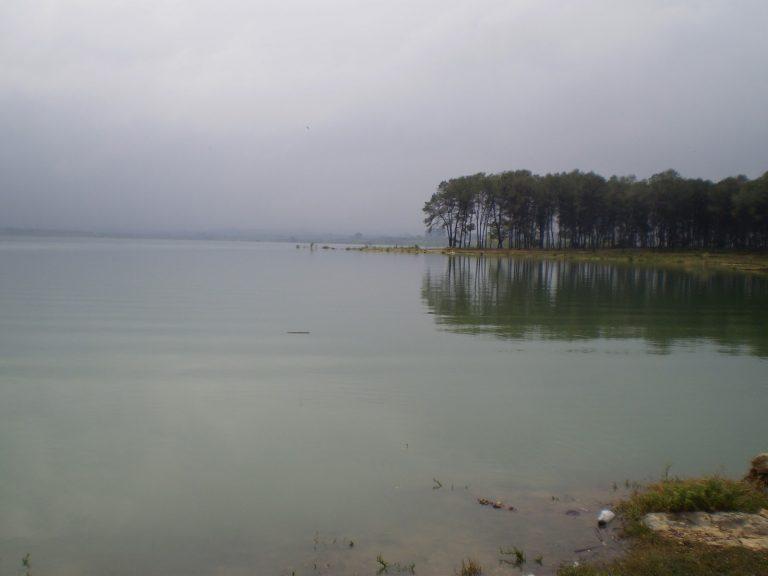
[694,526]
[698,260]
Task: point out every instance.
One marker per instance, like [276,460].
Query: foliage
[518,209]
[710,494]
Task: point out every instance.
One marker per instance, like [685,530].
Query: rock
[716,529]
[604,518]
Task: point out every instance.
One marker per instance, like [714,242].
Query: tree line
[584,210]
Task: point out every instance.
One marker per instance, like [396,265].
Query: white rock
[605,517]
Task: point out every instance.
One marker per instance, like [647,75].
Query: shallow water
[156,416]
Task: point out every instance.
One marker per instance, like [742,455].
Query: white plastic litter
[605,517]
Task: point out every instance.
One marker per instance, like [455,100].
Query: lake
[159,414]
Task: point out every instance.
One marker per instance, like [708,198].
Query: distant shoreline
[224,236]
[745,261]
[740,261]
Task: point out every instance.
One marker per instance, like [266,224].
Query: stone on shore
[716,529]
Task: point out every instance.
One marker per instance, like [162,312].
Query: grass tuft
[709,494]
[519,556]
[470,567]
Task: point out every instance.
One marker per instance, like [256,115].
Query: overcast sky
[343,115]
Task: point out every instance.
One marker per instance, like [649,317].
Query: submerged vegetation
[26,564]
[577,210]
[650,554]
[385,567]
[470,567]
[517,556]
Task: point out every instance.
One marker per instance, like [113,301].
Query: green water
[156,417]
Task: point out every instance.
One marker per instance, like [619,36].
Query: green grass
[710,494]
[652,555]
[665,558]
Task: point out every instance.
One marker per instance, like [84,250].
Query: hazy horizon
[344,116]
[258,234]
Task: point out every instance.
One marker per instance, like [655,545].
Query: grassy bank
[751,262]
[652,555]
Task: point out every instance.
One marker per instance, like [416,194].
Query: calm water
[156,417]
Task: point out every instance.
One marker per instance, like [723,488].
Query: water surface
[157,417]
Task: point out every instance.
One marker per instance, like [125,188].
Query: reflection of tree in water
[525,298]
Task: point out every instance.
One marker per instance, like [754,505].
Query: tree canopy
[518,209]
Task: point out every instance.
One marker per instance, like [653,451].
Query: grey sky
[193,114]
